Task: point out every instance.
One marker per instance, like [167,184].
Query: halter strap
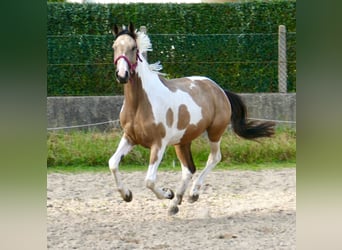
[132,66]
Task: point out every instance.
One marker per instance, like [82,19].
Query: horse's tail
[242,127]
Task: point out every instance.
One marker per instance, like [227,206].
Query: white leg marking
[213,159]
[122,150]
[186,177]
[151,176]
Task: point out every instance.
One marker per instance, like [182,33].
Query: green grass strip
[92,150]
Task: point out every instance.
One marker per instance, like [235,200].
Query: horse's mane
[144,45]
[143,42]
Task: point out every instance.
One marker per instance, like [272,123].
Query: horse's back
[196,86]
[214,104]
[203,91]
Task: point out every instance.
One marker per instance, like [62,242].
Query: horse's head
[125,52]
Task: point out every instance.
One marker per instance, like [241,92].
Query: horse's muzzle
[121,79]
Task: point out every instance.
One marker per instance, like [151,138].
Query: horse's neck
[133,93]
[141,85]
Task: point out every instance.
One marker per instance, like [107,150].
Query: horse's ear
[115,30]
[131,28]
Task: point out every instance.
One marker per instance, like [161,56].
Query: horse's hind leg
[213,159]
[123,149]
[188,168]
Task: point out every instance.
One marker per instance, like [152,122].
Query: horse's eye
[134,48]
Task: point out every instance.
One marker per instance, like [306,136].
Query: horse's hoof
[193,198]
[168,193]
[128,197]
[173,210]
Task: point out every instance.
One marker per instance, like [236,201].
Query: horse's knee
[111,164]
[114,161]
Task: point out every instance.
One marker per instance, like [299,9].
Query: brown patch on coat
[183,117]
[171,87]
[169,117]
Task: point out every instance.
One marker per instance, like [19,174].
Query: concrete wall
[75,111]
[272,106]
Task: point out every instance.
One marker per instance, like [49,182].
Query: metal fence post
[282,62]
[144,30]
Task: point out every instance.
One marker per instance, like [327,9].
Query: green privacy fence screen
[235,44]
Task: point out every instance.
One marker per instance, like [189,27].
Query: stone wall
[77,112]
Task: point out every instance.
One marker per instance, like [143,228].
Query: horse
[158,112]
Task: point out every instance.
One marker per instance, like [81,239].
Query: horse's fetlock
[179,198]
[149,184]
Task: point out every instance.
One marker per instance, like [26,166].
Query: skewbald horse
[158,112]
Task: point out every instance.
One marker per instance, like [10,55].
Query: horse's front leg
[188,168]
[122,150]
[156,156]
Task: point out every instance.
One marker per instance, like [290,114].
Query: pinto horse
[158,112]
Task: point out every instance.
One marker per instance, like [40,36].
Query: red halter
[132,66]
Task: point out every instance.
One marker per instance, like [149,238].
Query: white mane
[143,42]
[144,45]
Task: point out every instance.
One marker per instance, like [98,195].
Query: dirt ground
[235,210]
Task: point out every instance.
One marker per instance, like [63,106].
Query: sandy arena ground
[235,210]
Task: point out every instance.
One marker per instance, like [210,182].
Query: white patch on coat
[162,99]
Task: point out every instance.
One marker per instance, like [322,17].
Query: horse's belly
[173,136]
[183,136]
